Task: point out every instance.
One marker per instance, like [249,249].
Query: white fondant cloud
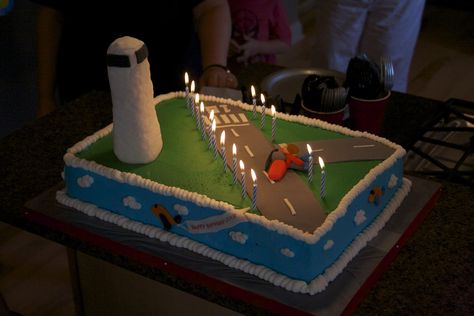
[131,202]
[85,181]
[393,181]
[287,252]
[328,245]
[238,237]
[181,209]
[360,217]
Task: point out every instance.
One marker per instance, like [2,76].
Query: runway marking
[225,118]
[243,117]
[249,151]
[266,175]
[363,146]
[234,132]
[292,209]
[231,125]
[317,150]
[234,118]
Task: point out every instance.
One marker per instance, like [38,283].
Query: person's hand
[248,49]
[218,76]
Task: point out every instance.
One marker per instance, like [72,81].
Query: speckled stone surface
[432,274]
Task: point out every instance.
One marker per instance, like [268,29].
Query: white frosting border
[202,200]
[315,286]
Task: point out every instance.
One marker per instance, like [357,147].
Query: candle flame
[201,107]
[186,78]
[234,149]
[310,150]
[254,176]
[211,116]
[252,90]
[262,98]
[223,138]
[241,164]
[213,126]
[193,86]
[273,110]
[321,162]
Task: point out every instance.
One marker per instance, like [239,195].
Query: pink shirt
[261,20]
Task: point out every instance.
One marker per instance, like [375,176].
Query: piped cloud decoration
[181,209]
[287,252]
[393,181]
[131,202]
[238,237]
[360,217]
[85,181]
[328,245]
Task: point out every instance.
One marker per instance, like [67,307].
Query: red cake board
[86,232]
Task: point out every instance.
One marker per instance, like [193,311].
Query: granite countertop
[432,273]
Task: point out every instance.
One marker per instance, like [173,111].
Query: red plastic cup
[368,115]
[330,117]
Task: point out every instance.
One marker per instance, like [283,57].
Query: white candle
[262,117]
[254,195]
[254,102]
[242,172]
[310,163]
[223,150]
[234,163]
[273,123]
[323,178]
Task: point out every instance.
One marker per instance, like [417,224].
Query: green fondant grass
[340,178]
[186,162]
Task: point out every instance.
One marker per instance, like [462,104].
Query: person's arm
[49,25]
[214,29]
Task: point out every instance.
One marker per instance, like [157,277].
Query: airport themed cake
[286,198]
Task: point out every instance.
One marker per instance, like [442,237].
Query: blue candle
[323,179]
[234,163]
[262,117]
[214,143]
[254,195]
[310,163]
[242,172]
[223,150]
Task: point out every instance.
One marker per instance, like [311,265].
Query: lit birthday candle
[254,102]
[323,178]
[192,100]
[310,163]
[214,144]
[273,123]
[223,150]
[186,87]
[254,195]
[209,128]
[234,163]
[200,120]
[262,117]
[242,173]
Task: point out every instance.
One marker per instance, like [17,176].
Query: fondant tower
[136,130]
